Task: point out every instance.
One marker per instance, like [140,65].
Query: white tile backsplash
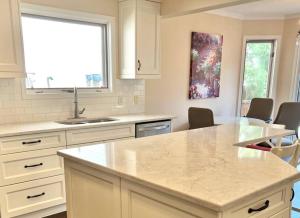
[15,108]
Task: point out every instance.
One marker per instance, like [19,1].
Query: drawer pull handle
[139,65]
[34,165]
[35,196]
[293,195]
[267,203]
[32,142]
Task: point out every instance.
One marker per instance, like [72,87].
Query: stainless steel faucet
[77,112]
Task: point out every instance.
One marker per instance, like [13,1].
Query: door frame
[295,78]
[274,73]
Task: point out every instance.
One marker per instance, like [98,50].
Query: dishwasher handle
[154,128]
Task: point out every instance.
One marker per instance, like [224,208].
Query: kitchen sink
[100,120]
[86,121]
[71,122]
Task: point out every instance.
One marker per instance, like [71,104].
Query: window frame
[295,78]
[80,17]
[274,73]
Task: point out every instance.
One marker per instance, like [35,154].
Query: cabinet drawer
[31,196]
[96,143]
[97,134]
[283,214]
[25,166]
[269,205]
[31,142]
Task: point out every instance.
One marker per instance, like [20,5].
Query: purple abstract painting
[206,58]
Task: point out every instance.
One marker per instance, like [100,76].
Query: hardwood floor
[60,215]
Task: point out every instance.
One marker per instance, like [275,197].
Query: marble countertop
[202,166]
[39,127]
[245,121]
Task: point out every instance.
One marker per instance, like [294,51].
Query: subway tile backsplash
[128,97]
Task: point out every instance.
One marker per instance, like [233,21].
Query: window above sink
[65,49]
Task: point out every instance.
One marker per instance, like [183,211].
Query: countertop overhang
[202,166]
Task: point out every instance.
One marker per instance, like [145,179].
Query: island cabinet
[139,34]
[96,193]
[11,47]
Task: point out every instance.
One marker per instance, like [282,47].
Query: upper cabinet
[11,49]
[139,39]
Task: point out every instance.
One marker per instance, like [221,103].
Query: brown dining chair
[200,118]
[261,108]
[289,115]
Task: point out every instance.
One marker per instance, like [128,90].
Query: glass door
[258,68]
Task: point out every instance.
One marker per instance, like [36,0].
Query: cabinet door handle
[266,205]
[35,196]
[32,142]
[34,165]
[139,65]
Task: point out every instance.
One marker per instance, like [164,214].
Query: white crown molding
[266,18]
[292,16]
[226,14]
[243,17]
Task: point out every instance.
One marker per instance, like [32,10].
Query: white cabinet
[139,201]
[28,197]
[139,22]
[11,49]
[262,206]
[32,142]
[92,194]
[30,166]
[96,193]
[31,175]
[283,214]
[25,166]
[99,134]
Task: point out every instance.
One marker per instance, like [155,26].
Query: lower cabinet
[31,165]
[139,201]
[283,214]
[32,174]
[96,134]
[96,194]
[28,197]
[92,194]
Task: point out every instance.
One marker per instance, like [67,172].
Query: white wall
[291,28]
[170,93]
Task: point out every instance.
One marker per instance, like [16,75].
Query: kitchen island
[198,173]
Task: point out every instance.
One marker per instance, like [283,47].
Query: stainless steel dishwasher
[152,128]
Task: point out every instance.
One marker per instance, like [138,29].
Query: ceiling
[265,9]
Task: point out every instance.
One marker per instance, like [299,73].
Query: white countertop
[245,121]
[201,166]
[39,127]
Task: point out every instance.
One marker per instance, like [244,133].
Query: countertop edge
[191,199]
[62,127]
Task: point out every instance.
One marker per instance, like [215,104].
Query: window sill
[28,94]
